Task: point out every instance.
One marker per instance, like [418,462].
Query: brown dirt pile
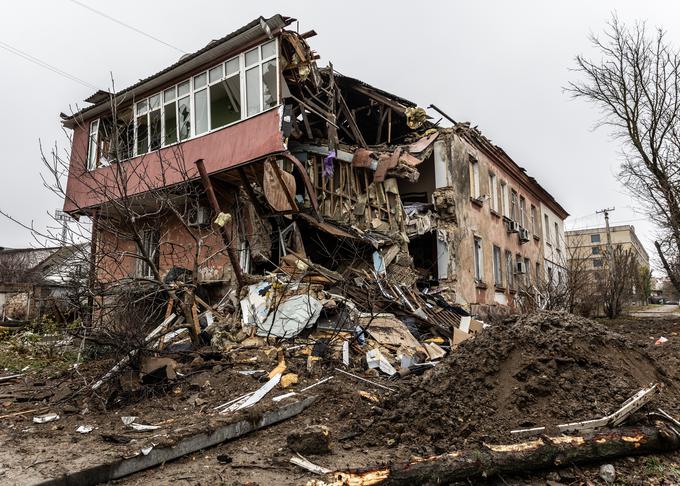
[541,370]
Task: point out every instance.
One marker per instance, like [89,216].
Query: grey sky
[501,65]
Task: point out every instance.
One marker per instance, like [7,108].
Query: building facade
[246,152]
[590,244]
[554,245]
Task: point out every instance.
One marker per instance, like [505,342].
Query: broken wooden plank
[304,463]
[121,467]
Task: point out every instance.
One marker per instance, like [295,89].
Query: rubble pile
[540,370]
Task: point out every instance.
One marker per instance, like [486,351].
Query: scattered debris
[84,429]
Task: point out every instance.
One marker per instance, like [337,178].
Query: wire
[43,64]
[120,22]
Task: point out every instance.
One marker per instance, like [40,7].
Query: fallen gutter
[118,468]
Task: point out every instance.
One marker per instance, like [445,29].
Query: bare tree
[136,217]
[616,280]
[637,86]
[644,284]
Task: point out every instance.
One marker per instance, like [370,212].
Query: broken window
[539,277]
[142,132]
[214,98]
[597,263]
[513,206]
[474,178]
[479,260]
[269,87]
[546,224]
[184,115]
[497,266]
[534,223]
[522,212]
[557,236]
[596,250]
[169,117]
[225,102]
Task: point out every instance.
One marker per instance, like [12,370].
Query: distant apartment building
[554,245]
[591,243]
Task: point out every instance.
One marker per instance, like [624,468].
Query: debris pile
[541,370]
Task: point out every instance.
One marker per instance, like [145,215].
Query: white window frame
[505,199]
[522,211]
[93,145]
[192,91]
[546,223]
[475,190]
[493,189]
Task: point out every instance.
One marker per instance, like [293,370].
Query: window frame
[493,189]
[193,90]
[533,219]
[497,266]
[478,248]
[475,189]
[92,161]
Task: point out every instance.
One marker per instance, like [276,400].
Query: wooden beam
[226,237]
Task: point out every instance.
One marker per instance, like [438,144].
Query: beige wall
[478,219]
[581,244]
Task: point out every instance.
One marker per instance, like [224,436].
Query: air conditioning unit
[199,216]
[521,268]
[523,235]
[513,226]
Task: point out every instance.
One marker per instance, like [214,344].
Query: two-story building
[246,151]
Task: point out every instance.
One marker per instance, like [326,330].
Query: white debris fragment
[127,420]
[42,419]
[144,428]
[84,429]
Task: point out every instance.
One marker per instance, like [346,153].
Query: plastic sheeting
[290,317]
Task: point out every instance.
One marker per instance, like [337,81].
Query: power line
[120,22]
[43,64]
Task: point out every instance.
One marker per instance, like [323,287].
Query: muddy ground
[537,371]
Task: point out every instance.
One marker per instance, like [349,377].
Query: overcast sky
[501,65]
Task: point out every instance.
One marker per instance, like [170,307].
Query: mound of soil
[541,370]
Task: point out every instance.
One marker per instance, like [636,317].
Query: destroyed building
[286,165]
[38,282]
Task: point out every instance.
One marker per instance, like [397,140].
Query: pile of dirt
[541,370]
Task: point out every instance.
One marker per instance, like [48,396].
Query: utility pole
[64,218]
[609,234]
